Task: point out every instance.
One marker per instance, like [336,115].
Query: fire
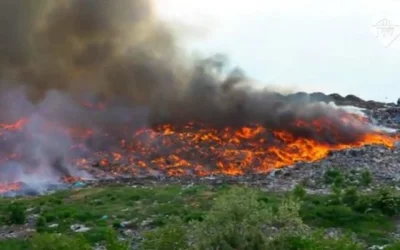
[10,187]
[200,149]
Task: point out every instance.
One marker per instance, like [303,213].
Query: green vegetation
[16,214]
[358,178]
[207,217]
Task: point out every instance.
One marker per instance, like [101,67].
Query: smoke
[97,46]
[55,56]
[120,51]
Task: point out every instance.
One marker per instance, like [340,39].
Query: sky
[333,46]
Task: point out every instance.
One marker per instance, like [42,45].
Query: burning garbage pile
[93,89]
[42,149]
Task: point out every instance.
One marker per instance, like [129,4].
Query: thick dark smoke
[120,51]
[115,48]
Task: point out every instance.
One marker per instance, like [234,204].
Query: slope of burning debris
[349,137]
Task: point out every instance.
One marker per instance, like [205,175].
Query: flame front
[198,149]
[10,187]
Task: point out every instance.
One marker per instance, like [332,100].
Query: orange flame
[201,150]
[10,187]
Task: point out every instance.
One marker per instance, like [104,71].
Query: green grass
[14,244]
[369,216]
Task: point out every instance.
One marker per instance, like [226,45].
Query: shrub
[16,213]
[393,246]
[171,236]
[113,243]
[333,176]
[388,202]
[234,222]
[238,220]
[40,224]
[54,242]
[366,178]
[116,224]
[350,196]
[314,241]
[13,244]
[299,191]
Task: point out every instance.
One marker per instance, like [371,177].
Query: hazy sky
[309,45]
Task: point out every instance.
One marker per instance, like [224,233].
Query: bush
[234,222]
[172,236]
[350,197]
[113,243]
[299,191]
[334,176]
[393,246]
[40,224]
[238,220]
[54,242]
[331,216]
[16,213]
[13,244]
[315,241]
[366,178]
[386,201]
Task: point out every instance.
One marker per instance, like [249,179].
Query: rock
[78,228]
[53,225]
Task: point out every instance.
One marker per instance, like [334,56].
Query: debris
[79,184]
[78,228]
[146,222]
[125,223]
